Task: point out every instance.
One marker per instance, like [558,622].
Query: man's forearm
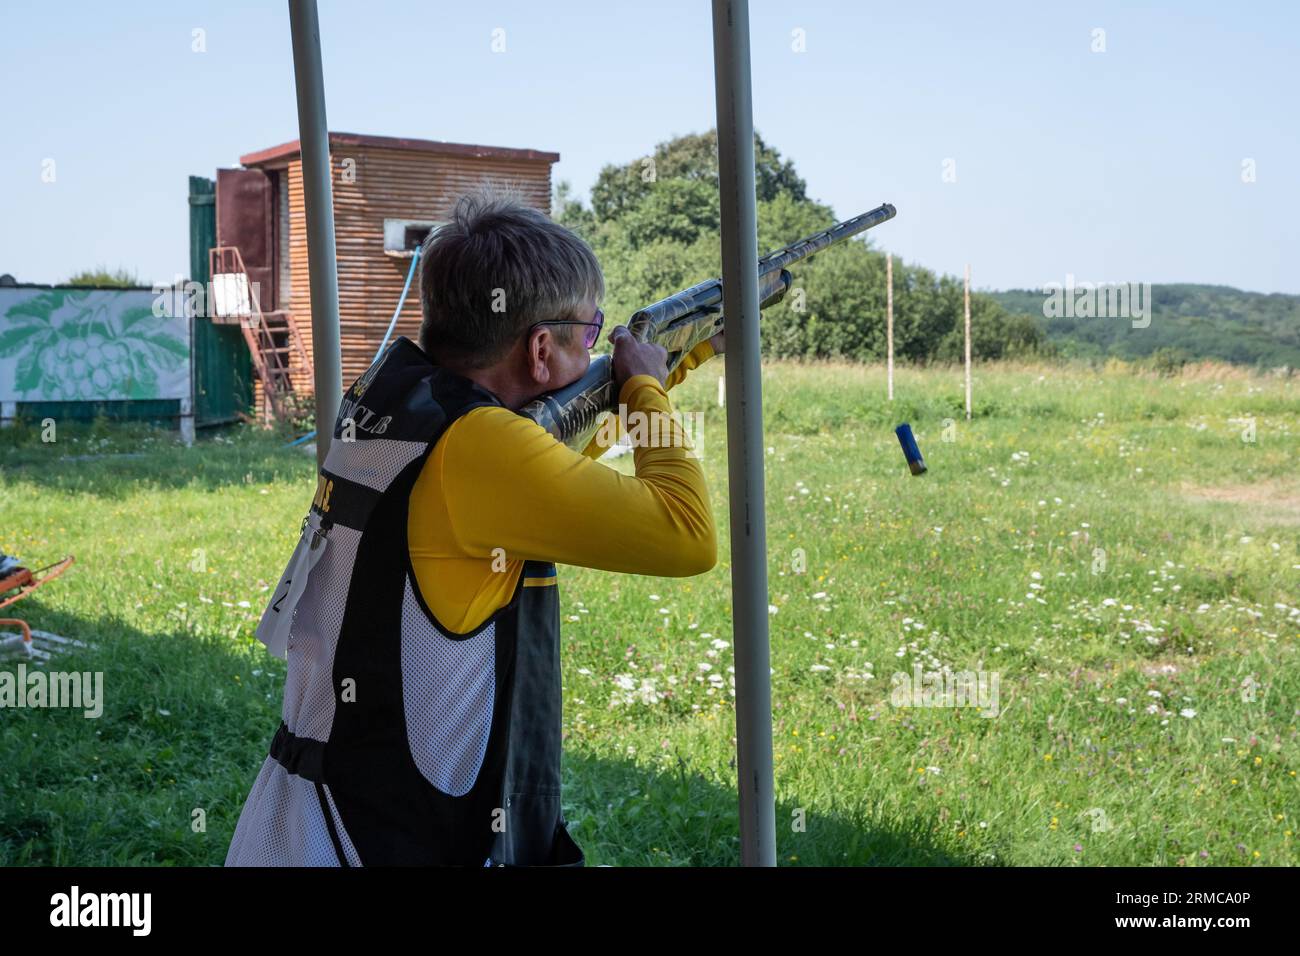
[511,487]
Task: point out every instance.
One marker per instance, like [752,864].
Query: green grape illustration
[88,367]
[80,346]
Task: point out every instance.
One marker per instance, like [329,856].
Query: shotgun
[679,323]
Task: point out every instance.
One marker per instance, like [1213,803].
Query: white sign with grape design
[91,345]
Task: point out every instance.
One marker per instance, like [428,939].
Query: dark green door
[223,369]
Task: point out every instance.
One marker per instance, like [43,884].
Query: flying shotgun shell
[913,454]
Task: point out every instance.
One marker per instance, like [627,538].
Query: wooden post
[889,321]
[968,342]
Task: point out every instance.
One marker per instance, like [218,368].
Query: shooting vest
[403,743]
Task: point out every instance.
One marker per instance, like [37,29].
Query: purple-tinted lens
[593,331]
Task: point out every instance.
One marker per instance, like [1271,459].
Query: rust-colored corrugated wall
[372,183]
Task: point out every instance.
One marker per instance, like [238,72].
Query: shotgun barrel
[680,322]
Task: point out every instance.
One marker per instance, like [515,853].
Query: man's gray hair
[493,270]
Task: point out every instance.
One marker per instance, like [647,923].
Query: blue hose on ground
[410,273]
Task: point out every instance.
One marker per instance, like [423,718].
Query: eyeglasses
[593,328]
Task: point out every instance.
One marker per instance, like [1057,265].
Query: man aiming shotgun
[422,706]
[419,613]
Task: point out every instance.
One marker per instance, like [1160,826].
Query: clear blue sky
[1115,166]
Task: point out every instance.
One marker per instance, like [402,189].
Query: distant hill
[1187,321]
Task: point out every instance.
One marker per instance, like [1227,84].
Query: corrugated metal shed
[379,181]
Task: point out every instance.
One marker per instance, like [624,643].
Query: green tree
[674,210]
[693,157]
[100,276]
[654,225]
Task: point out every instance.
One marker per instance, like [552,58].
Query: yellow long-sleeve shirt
[498,490]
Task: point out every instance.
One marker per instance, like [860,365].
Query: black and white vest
[402,742]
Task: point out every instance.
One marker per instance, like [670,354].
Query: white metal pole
[745,464]
[318,202]
[179,306]
[967,296]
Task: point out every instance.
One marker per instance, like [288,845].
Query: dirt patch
[1272,501]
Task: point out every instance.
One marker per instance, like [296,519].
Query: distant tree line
[1188,322]
[102,277]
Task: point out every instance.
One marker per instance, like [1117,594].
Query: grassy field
[1107,544]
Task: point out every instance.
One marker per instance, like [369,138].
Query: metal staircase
[272,337]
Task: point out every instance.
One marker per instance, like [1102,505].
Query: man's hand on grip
[632,357]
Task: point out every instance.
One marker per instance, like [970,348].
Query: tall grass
[1101,539]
